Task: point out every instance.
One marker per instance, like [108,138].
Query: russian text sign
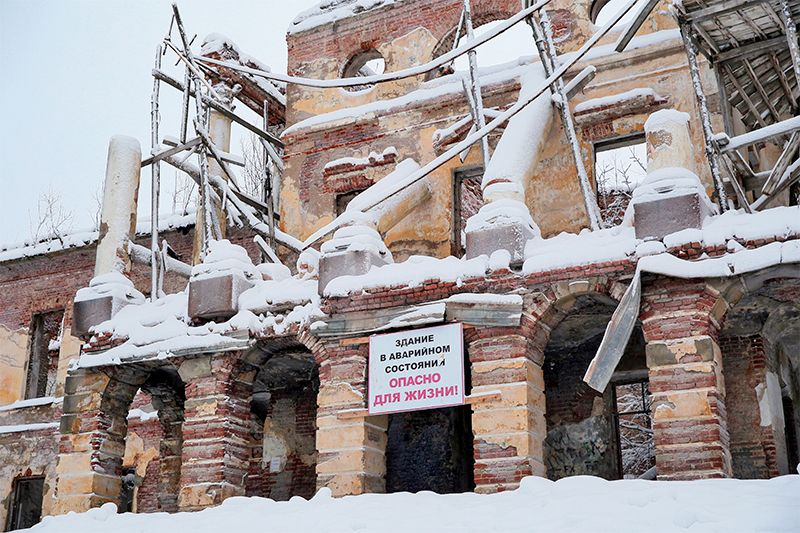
[416,369]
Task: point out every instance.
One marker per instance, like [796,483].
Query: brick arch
[94,427]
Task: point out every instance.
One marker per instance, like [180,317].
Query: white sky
[74,73]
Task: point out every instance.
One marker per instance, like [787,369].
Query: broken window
[619,166]
[45,343]
[26,509]
[467,200]
[635,428]
[345,198]
[366,63]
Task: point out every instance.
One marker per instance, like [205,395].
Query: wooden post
[702,108]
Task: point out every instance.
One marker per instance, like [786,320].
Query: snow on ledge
[33,402]
[28,427]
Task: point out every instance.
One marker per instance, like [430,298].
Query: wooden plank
[760,89]
[721,8]
[783,163]
[169,80]
[172,151]
[776,64]
[634,26]
[748,50]
[775,130]
[753,110]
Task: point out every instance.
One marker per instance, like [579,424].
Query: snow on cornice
[332,10]
[85,237]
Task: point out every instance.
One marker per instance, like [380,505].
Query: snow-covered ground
[577,504]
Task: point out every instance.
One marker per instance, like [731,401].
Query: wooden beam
[764,134]
[721,8]
[791,38]
[760,89]
[748,50]
[634,26]
[172,151]
[753,110]
[782,164]
[776,64]
[211,103]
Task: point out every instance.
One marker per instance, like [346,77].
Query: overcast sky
[75,72]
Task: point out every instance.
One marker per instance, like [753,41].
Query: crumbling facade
[665,347]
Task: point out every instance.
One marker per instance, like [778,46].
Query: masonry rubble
[253,379]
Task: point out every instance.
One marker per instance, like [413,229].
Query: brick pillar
[351,452]
[681,324]
[216,431]
[509,434]
[92,443]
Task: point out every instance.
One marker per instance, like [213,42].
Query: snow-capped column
[671,198]
[111,289]
[351,451]
[509,435]
[505,222]
[118,217]
[690,424]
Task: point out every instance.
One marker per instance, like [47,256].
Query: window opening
[128,490]
[26,510]
[635,428]
[342,200]
[619,167]
[45,343]
[366,63]
[467,201]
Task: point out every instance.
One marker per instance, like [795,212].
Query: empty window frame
[345,198]
[467,200]
[637,453]
[43,350]
[26,508]
[619,166]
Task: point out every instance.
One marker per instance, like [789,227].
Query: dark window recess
[26,509]
[791,431]
[619,166]
[635,428]
[345,198]
[467,201]
[43,354]
[127,491]
[365,63]
[794,194]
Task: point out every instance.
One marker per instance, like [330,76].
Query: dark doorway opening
[26,509]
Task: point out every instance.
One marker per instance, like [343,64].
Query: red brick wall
[752,445]
[298,478]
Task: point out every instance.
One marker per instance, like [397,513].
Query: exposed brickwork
[752,445]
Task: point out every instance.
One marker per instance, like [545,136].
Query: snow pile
[740,226]
[225,257]
[32,402]
[587,248]
[580,503]
[663,116]
[357,238]
[331,11]
[595,104]
[113,284]
[415,271]
[670,182]
[501,212]
[352,163]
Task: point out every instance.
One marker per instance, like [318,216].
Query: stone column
[216,431]
[509,434]
[681,325]
[89,464]
[351,451]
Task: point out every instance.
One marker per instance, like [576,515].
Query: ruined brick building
[664,343]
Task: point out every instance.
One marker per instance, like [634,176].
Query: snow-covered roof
[333,10]
[85,237]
